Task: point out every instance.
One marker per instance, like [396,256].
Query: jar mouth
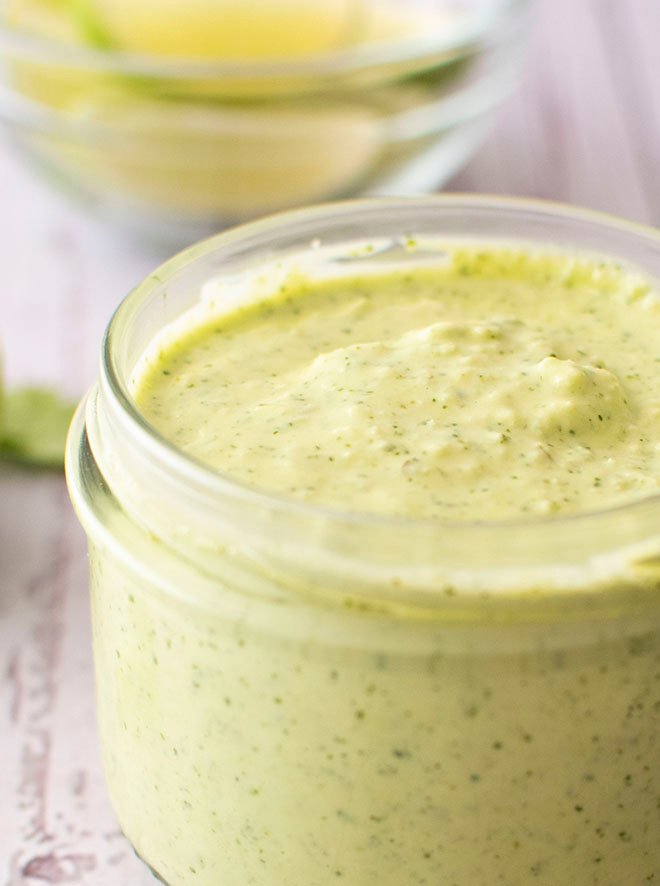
[414,563]
[17,42]
[219,484]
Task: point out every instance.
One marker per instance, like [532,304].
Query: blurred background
[582,125]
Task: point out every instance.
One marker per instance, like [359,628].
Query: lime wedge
[33,427]
[223,29]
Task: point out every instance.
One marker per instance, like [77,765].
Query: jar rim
[413,561]
[219,483]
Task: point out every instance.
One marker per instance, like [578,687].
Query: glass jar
[292,695]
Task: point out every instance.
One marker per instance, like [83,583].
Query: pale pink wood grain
[584,127]
[60,278]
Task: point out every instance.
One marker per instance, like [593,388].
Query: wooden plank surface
[583,127]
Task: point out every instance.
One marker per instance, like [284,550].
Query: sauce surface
[499,384]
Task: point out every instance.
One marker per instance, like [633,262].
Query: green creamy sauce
[258,735]
[500,384]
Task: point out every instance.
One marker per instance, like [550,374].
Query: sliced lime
[229,30]
[33,427]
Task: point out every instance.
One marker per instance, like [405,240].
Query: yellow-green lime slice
[230,30]
[33,427]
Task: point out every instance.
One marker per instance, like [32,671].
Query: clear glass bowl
[293,695]
[181,147]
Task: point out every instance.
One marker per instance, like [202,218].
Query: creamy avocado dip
[292,742]
[500,384]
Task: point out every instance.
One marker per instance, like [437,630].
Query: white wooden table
[584,127]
